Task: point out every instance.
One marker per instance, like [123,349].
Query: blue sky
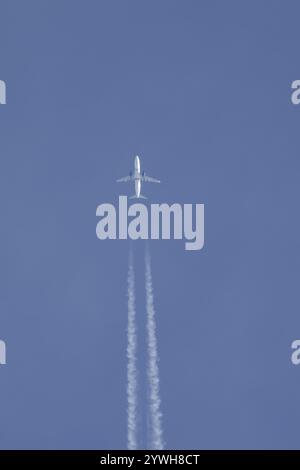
[201,91]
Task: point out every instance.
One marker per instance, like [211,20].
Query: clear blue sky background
[201,90]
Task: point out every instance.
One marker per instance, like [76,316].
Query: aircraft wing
[149,179]
[125,179]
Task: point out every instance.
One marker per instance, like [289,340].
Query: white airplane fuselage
[137,176]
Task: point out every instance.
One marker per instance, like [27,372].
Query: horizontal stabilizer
[140,197]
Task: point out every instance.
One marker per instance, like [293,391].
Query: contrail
[131,361]
[155,415]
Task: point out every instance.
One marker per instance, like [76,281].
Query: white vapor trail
[155,415]
[131,361]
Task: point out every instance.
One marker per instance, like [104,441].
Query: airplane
[138,177]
